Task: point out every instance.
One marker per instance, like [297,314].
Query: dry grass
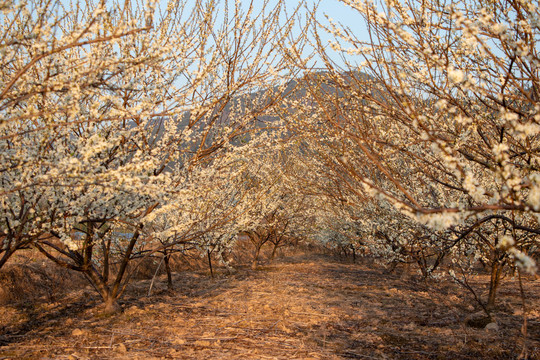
[299,308]
[30,278]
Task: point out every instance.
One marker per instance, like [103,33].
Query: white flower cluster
[523,261]
[456,76]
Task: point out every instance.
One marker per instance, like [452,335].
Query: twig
[310,314]
[214,338]
[154,277]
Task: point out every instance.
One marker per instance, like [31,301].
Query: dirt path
[295,309]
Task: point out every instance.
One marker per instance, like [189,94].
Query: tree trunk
[256,258]
[111,306]
[209,254]
[110,300]
[106,246]
[392,266]
[437,262]
[166,258]
[84,264]
[7,254]
[116,288]
[423,268]
[274,251]
[496,270]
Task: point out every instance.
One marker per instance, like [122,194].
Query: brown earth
[309,307]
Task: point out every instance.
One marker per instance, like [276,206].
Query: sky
[343,14]
[333,8]
[339,12]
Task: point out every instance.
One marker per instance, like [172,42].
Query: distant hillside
[233,114]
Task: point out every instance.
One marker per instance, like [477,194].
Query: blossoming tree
[436,114]
[108,108]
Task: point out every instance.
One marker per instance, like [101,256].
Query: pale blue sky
[342,14]
[333,8]
[339,12]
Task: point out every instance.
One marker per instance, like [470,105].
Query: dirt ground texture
[302,307]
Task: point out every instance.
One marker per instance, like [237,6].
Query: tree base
[110,308]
